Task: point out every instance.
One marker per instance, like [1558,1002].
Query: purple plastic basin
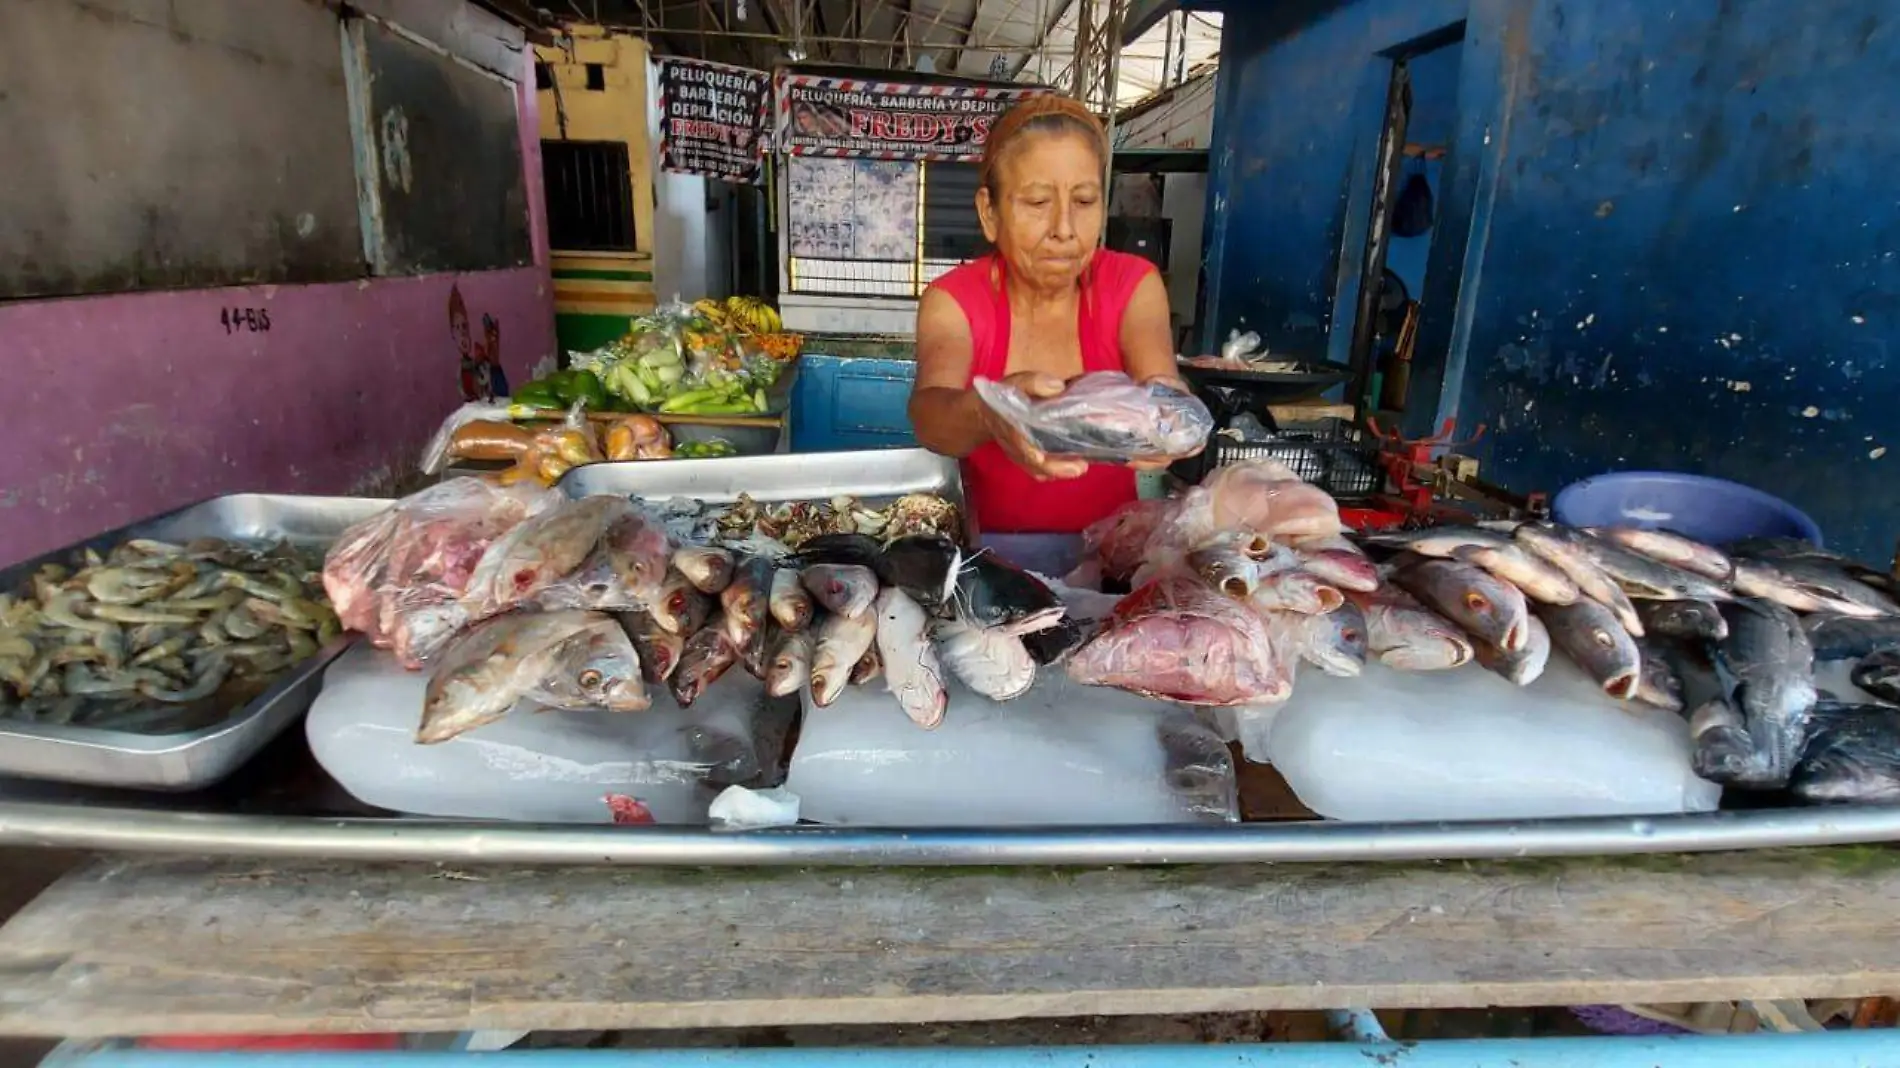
[1709,510]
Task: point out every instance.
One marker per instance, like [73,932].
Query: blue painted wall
[1669,232]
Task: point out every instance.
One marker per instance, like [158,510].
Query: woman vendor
[1046,306]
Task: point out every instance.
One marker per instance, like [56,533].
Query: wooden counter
[142,945]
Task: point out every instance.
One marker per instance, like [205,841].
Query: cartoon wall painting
[481,373]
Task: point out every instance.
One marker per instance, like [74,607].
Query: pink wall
[120,407]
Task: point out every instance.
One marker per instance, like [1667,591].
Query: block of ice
[1062,753]
[1466,744]
[541,766]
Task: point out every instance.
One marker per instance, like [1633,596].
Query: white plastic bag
[1107,417]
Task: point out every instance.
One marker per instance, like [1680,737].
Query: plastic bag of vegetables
[679,360]
[555,450]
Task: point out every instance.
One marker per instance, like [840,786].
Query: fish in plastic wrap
[539,552]
[1107,417]
[1262,496]
[1179,640]
[565,660]
[1120,541]
[623,573]
[400,576]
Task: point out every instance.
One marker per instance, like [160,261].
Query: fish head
[1605,651]
[1477,600]
[598,668]
[1227,569]
[1346,630]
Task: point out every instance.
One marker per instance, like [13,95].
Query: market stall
[399,763]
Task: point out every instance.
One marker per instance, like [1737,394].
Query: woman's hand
[1016,445]
[1162,463]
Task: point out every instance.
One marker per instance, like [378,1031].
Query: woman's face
[1046,218]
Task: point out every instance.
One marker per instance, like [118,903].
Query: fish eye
[1603,638]
[590,678]
[1350,634]
[1477,602]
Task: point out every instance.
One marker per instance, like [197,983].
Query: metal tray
[198,758]
[870,475]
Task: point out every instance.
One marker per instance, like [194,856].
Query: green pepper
[537,394]
[578,385]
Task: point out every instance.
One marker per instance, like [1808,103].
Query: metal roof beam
[1056,15]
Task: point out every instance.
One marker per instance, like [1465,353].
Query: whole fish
[1852,754]
[540,551]
[707,567]
[992,592]
[1720,748]
[490,667]
[597,668]
[924,566]
[707,656]
[1688,620]
[679,608]
[911,668]
[845,589]
[1776,550]
[1879,674]
[756,655]
[842,641]
[1296,591]
[789,604]
[1672,549]
[745,600]
[1334,642]
[659,650]
[790,668]
[1492,550]
[1337,561]
[1524,666]
[1226,568]
[992,663]
[1838,637]
[869,667]
[1646,579]
[1407,636]
[1565,549]
[859,549]
[1656,682]
[1811,586]
[638,550]
[1441,542]
[1486,606]
[1767,668]
[1589,634]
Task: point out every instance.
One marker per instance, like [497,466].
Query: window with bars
[589,189]
[877,228]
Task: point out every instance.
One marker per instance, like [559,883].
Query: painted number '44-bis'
[252,320]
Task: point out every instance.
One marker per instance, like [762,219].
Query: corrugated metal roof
[1017,40]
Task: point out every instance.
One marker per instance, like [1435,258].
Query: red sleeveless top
[1006,499]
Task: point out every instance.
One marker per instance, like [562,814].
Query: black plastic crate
[1331,453]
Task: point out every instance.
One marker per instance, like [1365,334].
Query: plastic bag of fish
[413,577]
[1107,417]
